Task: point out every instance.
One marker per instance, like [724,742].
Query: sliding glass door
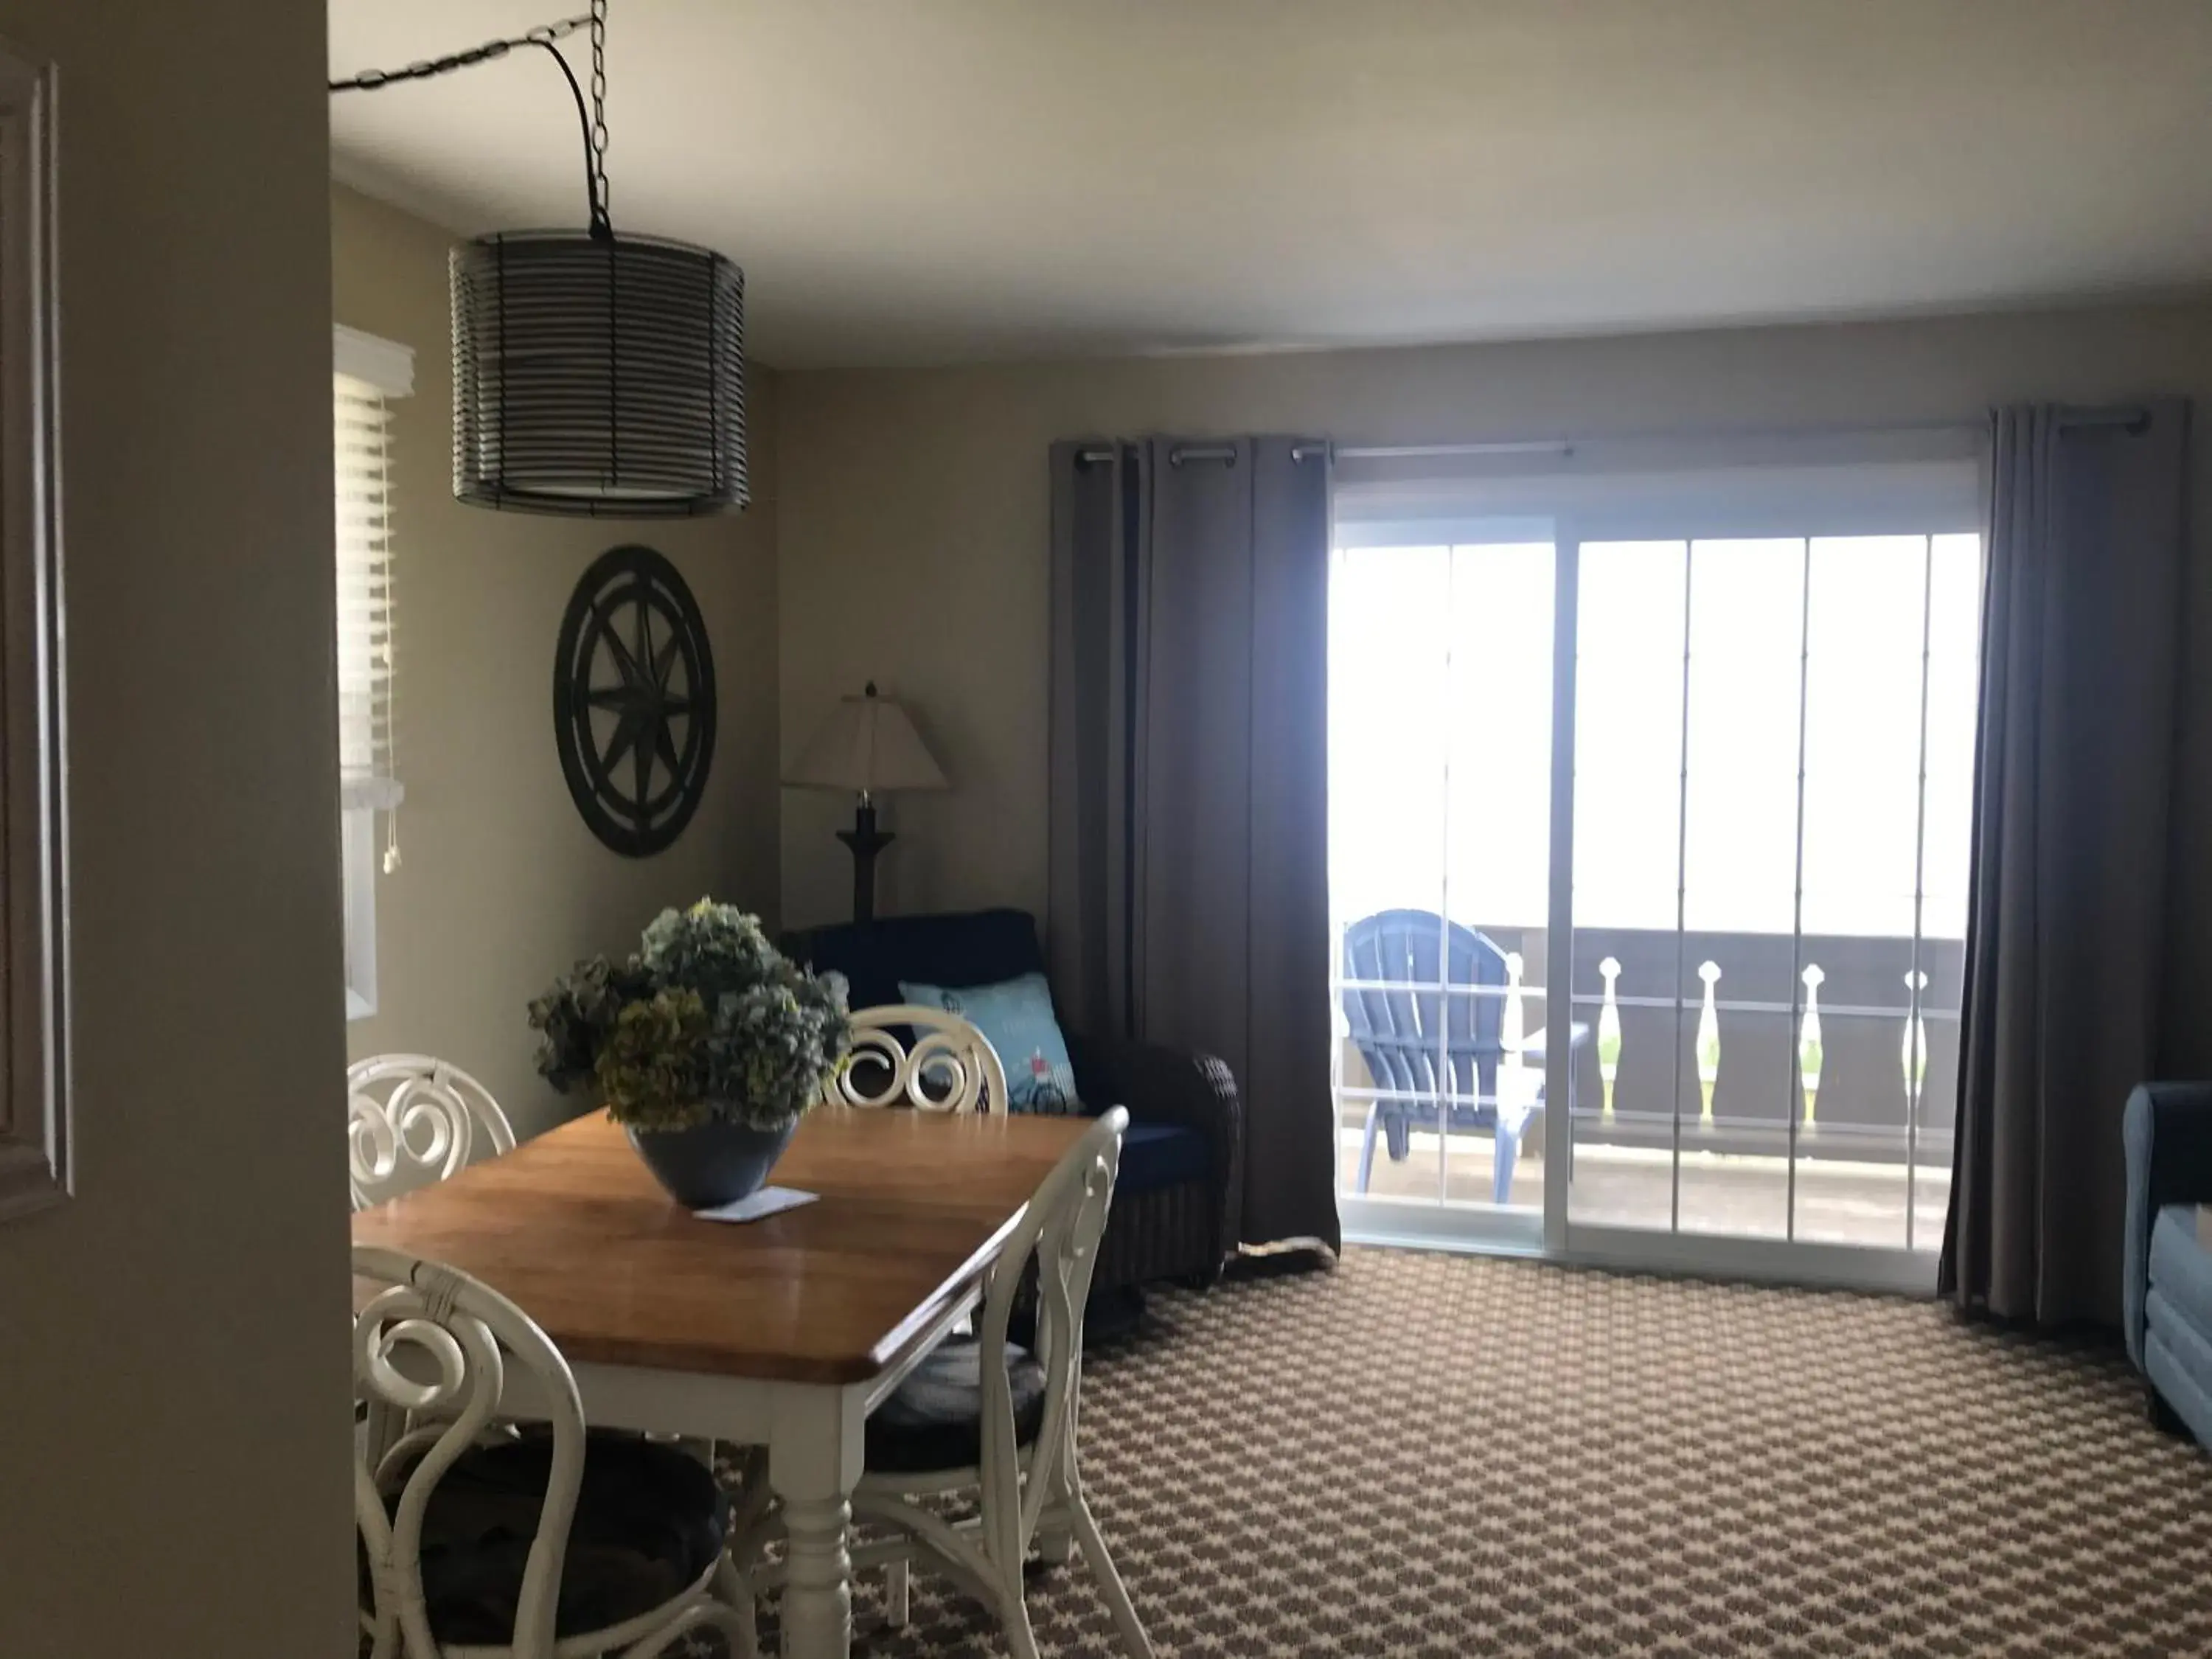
[1772,757]
[1673,977]
[1441,664]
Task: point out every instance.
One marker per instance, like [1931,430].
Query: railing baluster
[1912,1053]
[1808,1039]
[1513,1027]
[1709,1044]
[1608,1037]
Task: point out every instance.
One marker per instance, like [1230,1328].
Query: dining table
[783,1332]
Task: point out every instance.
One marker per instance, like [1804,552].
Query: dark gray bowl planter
[713,1163]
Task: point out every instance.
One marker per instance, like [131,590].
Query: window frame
[1795,486]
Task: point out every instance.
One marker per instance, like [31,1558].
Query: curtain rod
[1182,453]
[2131,418]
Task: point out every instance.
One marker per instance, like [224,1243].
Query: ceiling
[925,181]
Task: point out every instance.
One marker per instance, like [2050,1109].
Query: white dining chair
[413,1119]
[947,1054]
[981,1413]
[550,1544]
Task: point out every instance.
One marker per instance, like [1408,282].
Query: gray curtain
[2074,779]
[1189,885]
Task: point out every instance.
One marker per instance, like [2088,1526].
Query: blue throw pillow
[1016,1017]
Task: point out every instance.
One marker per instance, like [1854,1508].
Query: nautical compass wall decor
[634,700]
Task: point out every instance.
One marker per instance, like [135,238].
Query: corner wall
[500,886]
[916,521]
[174,1398]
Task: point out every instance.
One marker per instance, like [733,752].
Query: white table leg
[814,1462]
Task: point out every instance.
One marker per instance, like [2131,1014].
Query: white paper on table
[769,1200]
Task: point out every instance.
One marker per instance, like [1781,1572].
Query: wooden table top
[573,1227]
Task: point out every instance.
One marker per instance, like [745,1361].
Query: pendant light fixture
[594,375]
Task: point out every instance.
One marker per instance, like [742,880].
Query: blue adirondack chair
[1449,1080]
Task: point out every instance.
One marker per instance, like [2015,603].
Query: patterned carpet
[1445,1456]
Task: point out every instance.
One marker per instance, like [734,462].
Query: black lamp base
[866,841]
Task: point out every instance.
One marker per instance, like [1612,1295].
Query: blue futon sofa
[1177,1199]
[2168,1288]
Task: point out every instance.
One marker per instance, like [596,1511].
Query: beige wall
[173,1392]
[500,886]
[915,517]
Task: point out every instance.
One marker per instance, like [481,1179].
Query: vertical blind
[362,421]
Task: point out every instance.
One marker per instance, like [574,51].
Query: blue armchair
[2166,1293]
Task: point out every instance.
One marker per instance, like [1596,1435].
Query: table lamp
[869,745]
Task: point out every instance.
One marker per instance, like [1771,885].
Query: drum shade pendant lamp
[594,375]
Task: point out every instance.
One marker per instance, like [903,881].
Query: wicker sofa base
[1170,1232]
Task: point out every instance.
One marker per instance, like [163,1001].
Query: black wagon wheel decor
[634,700]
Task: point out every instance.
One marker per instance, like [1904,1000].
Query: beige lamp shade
[867,744]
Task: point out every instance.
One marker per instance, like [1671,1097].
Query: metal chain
[543,35]
[594,123]
[601,214]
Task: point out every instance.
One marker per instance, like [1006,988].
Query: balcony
[1776,1095]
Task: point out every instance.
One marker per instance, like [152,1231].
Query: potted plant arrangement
[707,1046]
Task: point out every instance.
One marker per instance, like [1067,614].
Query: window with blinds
[362,421]
[368,374]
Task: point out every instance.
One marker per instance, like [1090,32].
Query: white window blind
[367,770]
[367,373]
